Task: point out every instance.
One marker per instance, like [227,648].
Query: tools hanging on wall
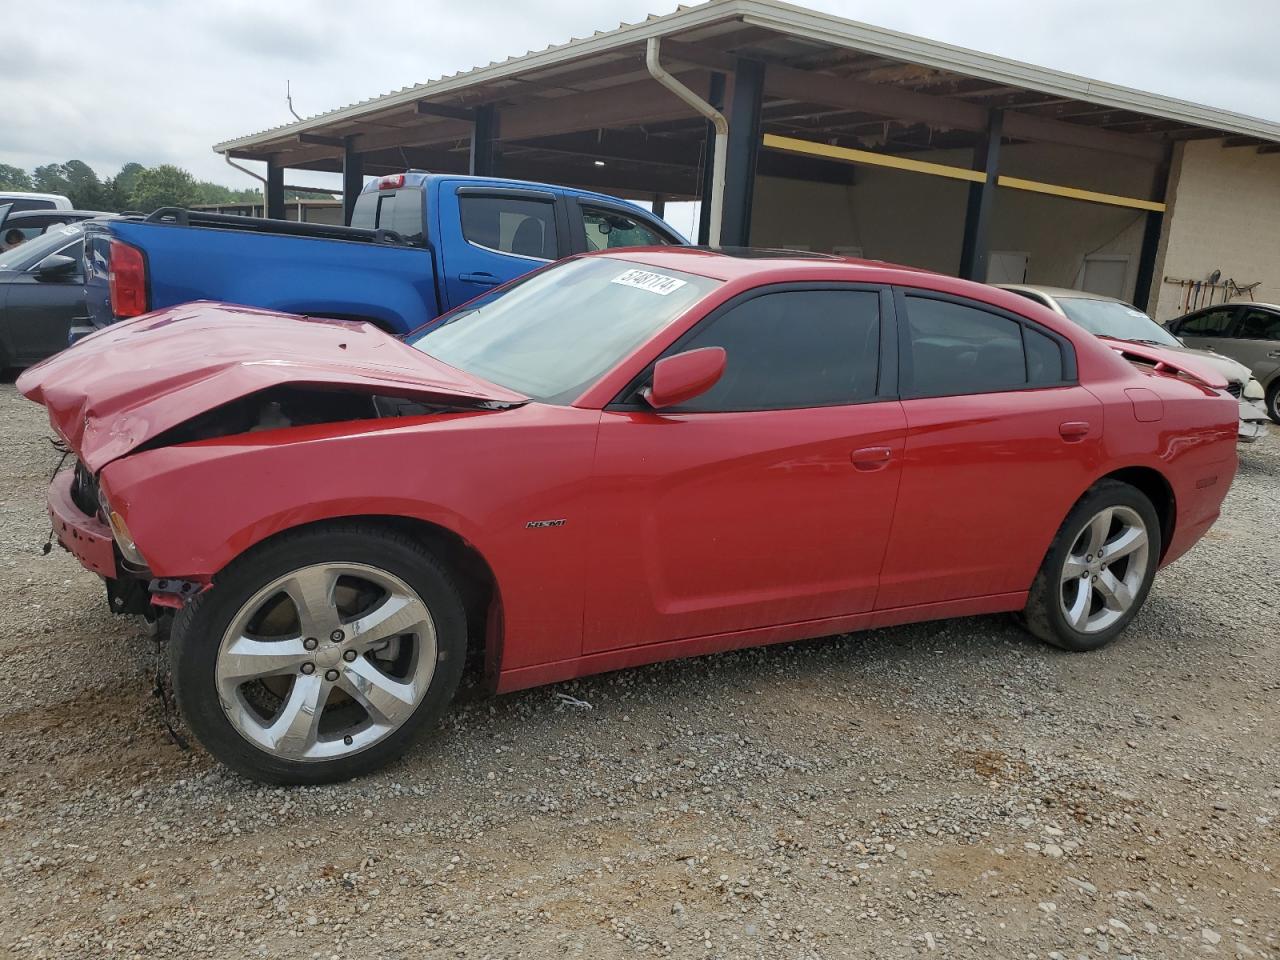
[1211,290]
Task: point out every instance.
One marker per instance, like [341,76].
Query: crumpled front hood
[132,381]
[1233,370]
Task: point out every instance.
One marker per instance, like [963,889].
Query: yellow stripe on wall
[849,155]
[809,148]
[1072,193]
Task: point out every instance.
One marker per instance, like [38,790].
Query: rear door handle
[871,458]
[1073,430]
[1274,355]
[481,277]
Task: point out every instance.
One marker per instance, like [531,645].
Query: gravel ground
[951,789]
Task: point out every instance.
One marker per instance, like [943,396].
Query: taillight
[392,182]
[127,277]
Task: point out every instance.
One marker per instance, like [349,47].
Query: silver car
[1248,332]
[1109,317]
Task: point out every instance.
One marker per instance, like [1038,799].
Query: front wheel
[1273,401]
[321,655]
[1098,570]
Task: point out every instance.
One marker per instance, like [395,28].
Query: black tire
[1273,401]
[1043,615]
[199,627]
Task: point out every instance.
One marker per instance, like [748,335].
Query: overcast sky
[161,82]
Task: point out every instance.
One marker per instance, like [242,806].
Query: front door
[1206,330]
[38,313]
[490,235]
[768,500]
[1001,441]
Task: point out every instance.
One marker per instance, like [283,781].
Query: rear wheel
[321,655]
[1098,570]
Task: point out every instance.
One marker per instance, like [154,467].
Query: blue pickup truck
[419,244]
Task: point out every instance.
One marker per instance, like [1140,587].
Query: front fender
[194,508]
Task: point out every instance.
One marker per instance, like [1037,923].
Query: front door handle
[481,277]
[1073,430]
[1274,355]
[871,458]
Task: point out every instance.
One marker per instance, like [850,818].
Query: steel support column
[659,205]
[275,190]
[715,97]
[976,250]
[484,142]
[744,147]
[1146,279]
[352,179]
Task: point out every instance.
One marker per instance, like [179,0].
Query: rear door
[1001,441]
[1255,341]
[491,234]
[768,499]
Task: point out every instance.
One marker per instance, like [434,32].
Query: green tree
[163,186]
[14,178]
[50,178]
[84,189]
[123,184]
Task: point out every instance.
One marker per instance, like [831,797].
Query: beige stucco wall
[1223,214]
[918,220]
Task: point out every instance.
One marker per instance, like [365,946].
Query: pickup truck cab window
[607,229]
[515,225]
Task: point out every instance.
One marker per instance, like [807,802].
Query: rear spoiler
[1170,363]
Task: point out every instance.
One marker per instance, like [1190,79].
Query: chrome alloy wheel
[1104,569]
[326,661]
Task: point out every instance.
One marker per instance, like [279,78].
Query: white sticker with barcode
[648,280]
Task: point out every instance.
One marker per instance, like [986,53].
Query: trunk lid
[132,381]
[1171,361]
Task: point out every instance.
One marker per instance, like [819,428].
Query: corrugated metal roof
[802,24]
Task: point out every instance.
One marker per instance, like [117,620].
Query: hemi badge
[544,523]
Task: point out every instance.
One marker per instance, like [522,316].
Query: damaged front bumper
[130,590]
[1253,421]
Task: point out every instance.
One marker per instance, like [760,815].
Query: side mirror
[684,376]
[56,267]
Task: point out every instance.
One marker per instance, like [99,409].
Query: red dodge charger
[621,458]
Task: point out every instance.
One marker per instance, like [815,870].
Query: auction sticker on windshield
[647,280]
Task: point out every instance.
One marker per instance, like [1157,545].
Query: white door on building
[1106,274]
[1007,266]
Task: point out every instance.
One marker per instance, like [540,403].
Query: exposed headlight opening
[120,532]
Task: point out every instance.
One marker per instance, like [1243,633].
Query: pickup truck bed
[421,244]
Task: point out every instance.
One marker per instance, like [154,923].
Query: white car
[1109,317]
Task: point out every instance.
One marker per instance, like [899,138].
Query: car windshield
[557,331]
[33,251]
[1110,318]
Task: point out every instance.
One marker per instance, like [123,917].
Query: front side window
[554,333]
[606,229]
[1211,324]
[792,348]
[525,228]
[960,349]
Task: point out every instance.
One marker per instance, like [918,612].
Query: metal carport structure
[807,97]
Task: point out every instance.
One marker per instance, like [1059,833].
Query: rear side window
[524,228]
[793,348]
[960,349]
